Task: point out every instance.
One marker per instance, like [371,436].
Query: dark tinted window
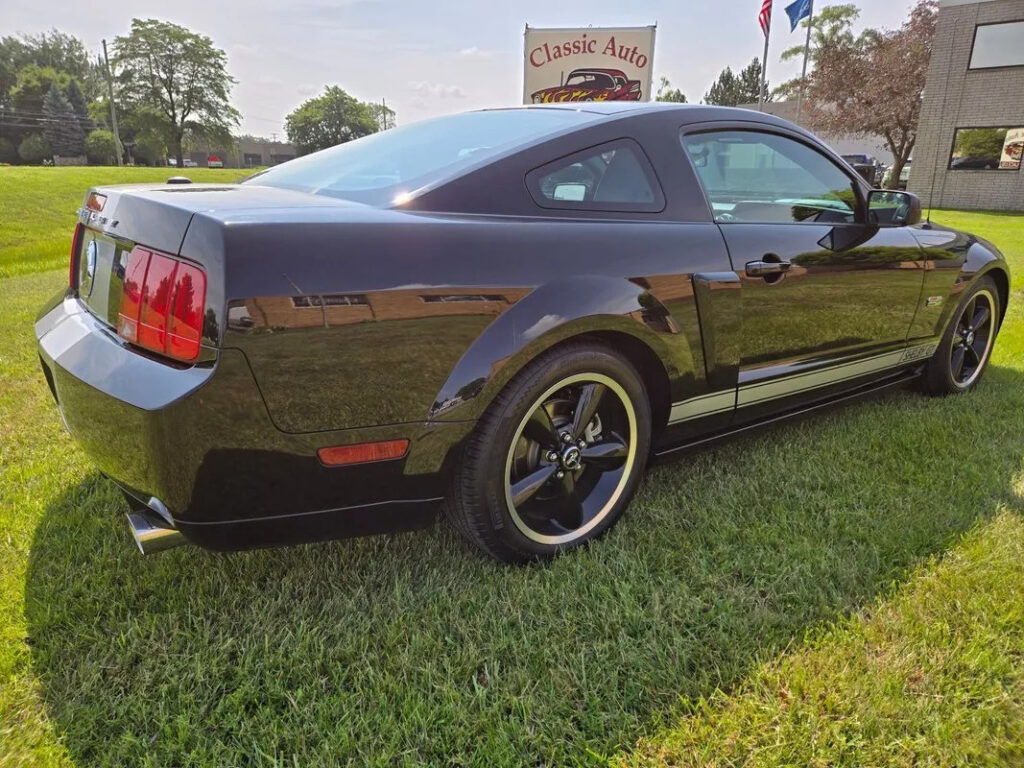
[383,168]
[998,45]
[987,149]
[612,177]
[764,178]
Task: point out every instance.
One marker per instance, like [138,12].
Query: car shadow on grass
[412,649]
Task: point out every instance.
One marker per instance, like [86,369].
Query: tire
[966,347]
[518,495]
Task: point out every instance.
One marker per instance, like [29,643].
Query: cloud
[437,90]
[475,53]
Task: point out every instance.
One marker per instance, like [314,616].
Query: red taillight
[162,305]
[362,453]
[76,240]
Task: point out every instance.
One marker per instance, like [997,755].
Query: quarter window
[611,177]
[763,178]
[987,149]
[998,45]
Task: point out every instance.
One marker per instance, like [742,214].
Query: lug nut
[552,456]
[559,474]
[581,444]
[566,437]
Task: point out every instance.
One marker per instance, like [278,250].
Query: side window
[611,177]
[763,178]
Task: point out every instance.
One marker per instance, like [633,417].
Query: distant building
[249,152]
[971,134]
[843,145]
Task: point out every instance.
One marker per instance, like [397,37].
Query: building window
[252,159]
[460,297]
[987,149]
[998,45]
[330,300]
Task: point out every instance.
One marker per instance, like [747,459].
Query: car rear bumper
[200,440]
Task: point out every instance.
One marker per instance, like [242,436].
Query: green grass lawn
[39,207]
[846,590]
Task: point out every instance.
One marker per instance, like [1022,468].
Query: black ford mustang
[510,310]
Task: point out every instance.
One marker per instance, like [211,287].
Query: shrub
[8,152]
[34,149]
[100,148]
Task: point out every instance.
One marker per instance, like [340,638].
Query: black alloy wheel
[963,354]
[557,456]
[972,339]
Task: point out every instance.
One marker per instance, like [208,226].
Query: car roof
[689,113]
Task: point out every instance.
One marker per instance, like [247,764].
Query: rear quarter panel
[404,317]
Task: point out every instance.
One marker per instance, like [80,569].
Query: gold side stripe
[761,392]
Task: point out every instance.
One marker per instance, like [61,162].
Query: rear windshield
[381,167]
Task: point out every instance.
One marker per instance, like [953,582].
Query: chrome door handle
[766,268]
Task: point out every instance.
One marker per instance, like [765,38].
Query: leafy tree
[731,90]
[34,149]
[831,26]
[61,130]
[874,85]
[34,83]
[100,147]
[667,93]
[175,81]
[330,119]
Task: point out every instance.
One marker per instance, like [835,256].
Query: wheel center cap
[572,459]
[969,338]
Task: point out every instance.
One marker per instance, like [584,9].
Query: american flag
[765,16]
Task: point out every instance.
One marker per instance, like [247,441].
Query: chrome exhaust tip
[153,534]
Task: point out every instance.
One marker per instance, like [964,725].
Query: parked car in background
[867,166]
[510,312]
[591,85]
[904,176]
[214,162]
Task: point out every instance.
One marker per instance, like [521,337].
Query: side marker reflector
[362,453]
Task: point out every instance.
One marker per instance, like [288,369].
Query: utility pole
[113,110]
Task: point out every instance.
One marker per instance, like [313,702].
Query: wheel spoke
[540,428]
[570,512]
[980,318]
[607,455]
[972,351]
[533,482]
[965,319]
[586,407]
[958,362]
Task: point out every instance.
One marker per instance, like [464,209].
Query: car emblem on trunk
[91,250]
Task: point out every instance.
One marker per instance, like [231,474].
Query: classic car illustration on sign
[591,85]
[505,314]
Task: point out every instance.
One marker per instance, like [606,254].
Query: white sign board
[1013,148]
[591,64]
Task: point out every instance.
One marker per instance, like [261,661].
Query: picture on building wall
[1013,147]
[589,64]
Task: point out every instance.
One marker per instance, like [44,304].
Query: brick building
[971,134]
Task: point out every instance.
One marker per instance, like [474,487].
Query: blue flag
[801,9]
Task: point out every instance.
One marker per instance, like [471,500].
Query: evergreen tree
[62,130]
[79,105]
[731,90]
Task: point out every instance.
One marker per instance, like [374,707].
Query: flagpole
[764,64]
[803,76]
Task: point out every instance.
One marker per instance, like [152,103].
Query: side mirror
[889,208]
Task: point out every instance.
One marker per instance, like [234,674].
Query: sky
[428,58]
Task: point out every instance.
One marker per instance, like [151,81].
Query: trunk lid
[115,219]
